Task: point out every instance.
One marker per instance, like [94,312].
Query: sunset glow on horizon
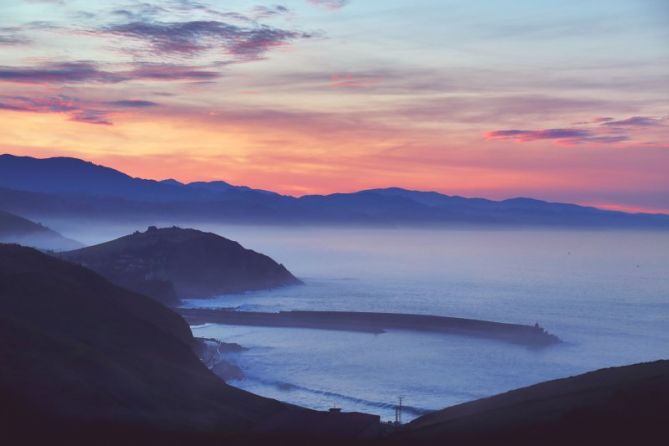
[564,102]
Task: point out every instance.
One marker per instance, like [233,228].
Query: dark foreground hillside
[76,347]
[83,361]
[174,263]
[616,406]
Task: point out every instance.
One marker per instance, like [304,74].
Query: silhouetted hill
[15,229]
[76,348]
[621,405]
[83,361]
[71,188]
[173,263]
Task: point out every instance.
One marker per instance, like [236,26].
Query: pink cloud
[88,112]
[601,130]
[533,135]
[634,121]
[329,4]
[350,81]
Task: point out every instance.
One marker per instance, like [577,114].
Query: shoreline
[212,354]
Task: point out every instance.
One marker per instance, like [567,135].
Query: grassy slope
[610,406]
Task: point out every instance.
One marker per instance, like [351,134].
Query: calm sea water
[606,294]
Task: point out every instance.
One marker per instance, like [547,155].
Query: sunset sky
[565,101]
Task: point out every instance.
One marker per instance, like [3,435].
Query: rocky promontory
[170,264]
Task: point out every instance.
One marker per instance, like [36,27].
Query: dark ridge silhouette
[76,347]
[533,336]
[72,188]
[615,406]
[84,361]
[15,229]
[72,176]
[173,263]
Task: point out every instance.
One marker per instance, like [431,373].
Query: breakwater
[530,335]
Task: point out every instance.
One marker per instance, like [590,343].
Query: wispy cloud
[532,135]
[89,112]
[353,81]
[634,121]
[57,73]
[132,103]
[568,136]
[139,11]
[12,40]
[195,37]
[195,6]
[329,4]
[11,36]
[79,72]
[74,109]
[601,129]
[169,72]
[263,12]
[97,117]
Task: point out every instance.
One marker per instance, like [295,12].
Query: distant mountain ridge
[63,175]
[16,229]
[72,188]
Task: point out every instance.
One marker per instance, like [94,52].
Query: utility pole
[398,412]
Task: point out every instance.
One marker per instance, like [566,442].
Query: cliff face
[76,348]
[15,229]
[173,263]
[620,405]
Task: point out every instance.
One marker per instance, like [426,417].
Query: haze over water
[606,294]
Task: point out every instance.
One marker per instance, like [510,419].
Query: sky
[564,101]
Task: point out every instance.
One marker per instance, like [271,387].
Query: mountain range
[62,188]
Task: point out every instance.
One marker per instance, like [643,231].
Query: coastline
[213,352]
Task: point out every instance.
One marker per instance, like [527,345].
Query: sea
[604,293]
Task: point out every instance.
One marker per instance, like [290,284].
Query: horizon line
[616,207]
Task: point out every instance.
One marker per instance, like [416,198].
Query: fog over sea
[604,293]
